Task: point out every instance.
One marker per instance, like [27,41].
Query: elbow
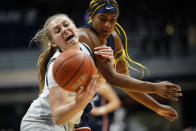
[59,121]
[118,104]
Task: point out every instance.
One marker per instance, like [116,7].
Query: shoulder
[85,37]
[86,49]
[117,41]
[88,36]
[85,34]
[56,54]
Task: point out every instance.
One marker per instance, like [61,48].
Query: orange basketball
[72,69]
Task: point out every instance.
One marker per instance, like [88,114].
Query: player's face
[104,23]
[63,33]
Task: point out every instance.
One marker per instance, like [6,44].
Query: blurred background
[161,35]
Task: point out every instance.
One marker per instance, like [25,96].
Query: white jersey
[38,115]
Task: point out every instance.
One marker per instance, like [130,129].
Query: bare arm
[131,85]
[164,89]
[163,110]
[122,81]
[62,111]
[109,94]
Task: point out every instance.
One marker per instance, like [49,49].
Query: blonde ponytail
[43,37]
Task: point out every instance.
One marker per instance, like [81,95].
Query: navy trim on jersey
[50,61]
[89,50]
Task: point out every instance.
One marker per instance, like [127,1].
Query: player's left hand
[106,52]
[168,112]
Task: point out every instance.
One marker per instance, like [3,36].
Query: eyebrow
[64,21]
[101,15]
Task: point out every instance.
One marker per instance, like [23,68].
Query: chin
[106,35]
[75,45]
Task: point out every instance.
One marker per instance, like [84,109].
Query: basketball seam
[91,70]
[75,72]
[64,63]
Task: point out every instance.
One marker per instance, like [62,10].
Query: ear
[77,30]
[92,18]
[52,43]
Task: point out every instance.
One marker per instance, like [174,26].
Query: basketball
[72,69]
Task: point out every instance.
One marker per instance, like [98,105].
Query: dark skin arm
[166,111]
[107,70]
[124,82]
[105,67]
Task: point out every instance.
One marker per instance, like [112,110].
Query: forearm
[145,100]
[122,81]
[65,113]
[111,106]
[129,83]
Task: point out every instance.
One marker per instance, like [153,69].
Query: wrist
[151,86]
[158,108]
[79,106]
[102,110]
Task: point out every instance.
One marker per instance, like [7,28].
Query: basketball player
[57,109]
[104,104]
[103,29]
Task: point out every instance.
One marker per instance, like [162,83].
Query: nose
[63,29]
[107,24]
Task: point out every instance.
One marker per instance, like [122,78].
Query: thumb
[80,89]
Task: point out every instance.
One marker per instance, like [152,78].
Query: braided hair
[94,6]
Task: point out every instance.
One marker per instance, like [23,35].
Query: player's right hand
[168,90]
[85,94]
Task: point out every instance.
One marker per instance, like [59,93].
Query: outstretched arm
[164,89]
[106,68]
[163,110]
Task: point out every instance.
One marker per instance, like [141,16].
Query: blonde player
[56,109]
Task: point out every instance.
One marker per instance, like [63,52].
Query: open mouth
[106,31]
[69,37]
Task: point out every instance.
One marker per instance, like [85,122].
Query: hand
[96,111]
[84,95]
[106,52]
[168,112]
[168,90]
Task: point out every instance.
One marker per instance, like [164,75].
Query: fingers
[105,52]
[171,91]
[168,112]
[92,86]
[170,98]
[80,89]
[176,94]
[173,87]
[171,117]
[172,95]
[102,47]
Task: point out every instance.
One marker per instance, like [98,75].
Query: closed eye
[66,24]
[57,30]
